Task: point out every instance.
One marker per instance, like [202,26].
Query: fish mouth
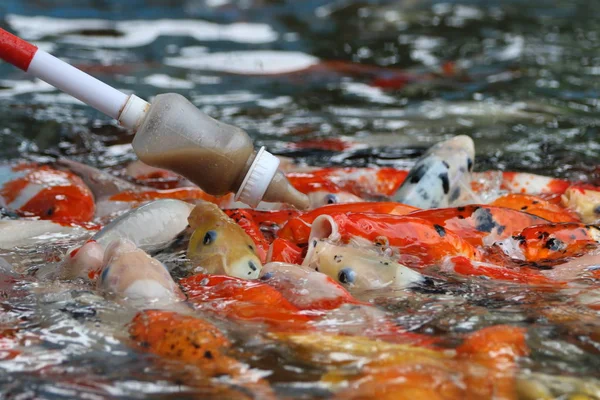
[248,267]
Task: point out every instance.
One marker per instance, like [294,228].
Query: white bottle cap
[133,113]
[258,178]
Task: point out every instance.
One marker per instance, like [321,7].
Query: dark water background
[525,87]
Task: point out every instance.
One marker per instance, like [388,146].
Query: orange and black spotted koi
[480,223]
[551,242]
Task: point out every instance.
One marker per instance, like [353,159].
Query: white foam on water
[262,62]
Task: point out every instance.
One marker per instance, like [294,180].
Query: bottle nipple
[281,190]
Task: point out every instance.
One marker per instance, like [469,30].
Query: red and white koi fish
[46,193]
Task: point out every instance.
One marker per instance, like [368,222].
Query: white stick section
[78,84]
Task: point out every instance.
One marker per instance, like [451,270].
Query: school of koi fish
[328,289]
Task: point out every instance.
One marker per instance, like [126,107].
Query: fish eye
[267,276]
[209,238]
[347,275]
[331,199]
[597,209]
[50,212]
[104,274]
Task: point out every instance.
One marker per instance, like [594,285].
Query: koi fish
[376,369]
[585,201]
[419,241]
[297,229]
[149,226]
[199,343]
[306,288]
[221,246]
[24,232]
[537,206]
[441,177]
[47,193]
[551,242]
[466,267]
[128,273]
[244,300]
[359,268]
[359,181]
[480,224]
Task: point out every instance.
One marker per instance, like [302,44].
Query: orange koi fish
[480,223]
[297,229]
[197,342]
[244,300]
[46,193]
[464,266]
[419,241]
[537,206]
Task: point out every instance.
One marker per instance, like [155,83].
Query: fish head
[441,177]
[83,262]
[131,274]
[585,201]
[221,246]
[358,268]
[322,197]
[50,194]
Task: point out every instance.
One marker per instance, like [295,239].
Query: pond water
[393,77]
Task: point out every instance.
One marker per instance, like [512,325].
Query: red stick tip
[15,50]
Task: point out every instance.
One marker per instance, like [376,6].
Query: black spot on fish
[446,164]
[417,174]
[252,266]
[347,275]
[535,202]
[469,164]
[209,237]
[520,238]
[208,355]
[445,182]
[50,212]
[460,209]
[423,193]
[337,258]
[484,220]
[554,244]
[455,194]
[524,208]
[440,230]
[314,243]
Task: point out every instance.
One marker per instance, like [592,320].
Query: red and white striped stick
[69,79]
